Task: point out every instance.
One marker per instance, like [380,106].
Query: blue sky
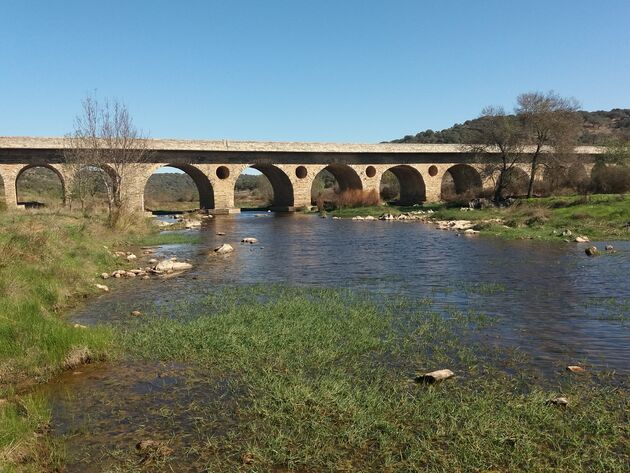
[346,71]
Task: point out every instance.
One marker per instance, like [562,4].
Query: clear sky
[311,70]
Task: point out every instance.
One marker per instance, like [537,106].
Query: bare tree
[501,138]
[552,125]
[105,142]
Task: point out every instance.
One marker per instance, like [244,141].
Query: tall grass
[356,198]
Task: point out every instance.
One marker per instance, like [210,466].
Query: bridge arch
[412,189]
[461,181]
[281,186]
[333,179]
[29,170]
[200,183]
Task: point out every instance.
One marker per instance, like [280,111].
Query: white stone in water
[224,248]
[435,376]
[250,240]
[170,265]
[582,239]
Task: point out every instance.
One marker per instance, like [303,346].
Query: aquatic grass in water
[326,376]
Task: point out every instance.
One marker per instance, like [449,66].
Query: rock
[567,233]
[104,275]
[248,459]
[470,231]
[79,326]
[609,248]
[154,448]
[153,261]
[582,239]
[120,253]
[559,401]
[162,223]
[192,223]
[224,249]
[575,369]
[131,257]
[145,277]
[102,287]
[250,240]
[591,251]
[336,218]
[130,274]
[78,356]
[370,217]
[358,217]
[136,313]
[435,376]
[221,233]
[170,265]
[117,275]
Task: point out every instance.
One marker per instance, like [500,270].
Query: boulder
[102,287]
[136,313]
[192,223]
[170,265]
[224,249]
[591,251]
[609,248]
[470,231]
[369,217]
[435,376]
[104,275]
[575,369]
[567,233]
[250,240]
[131,257]
[358,217]
[582,239]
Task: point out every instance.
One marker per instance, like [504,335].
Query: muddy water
[550,300]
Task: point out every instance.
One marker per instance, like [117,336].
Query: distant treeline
[597,129]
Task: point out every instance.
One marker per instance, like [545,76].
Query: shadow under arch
[200,179]
[283,198]
[461,180]
[346,177]
[60,176]
[411,183]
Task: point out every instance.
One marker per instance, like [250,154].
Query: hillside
[597,128]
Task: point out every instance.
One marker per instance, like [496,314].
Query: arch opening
[461,182]
[264,187]
[178,188]
[338,185]
[516,182]
[403,185]
[92,188]
[39,186]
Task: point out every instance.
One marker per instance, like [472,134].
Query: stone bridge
[291,168]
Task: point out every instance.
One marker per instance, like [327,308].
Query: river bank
[599,217]
[50,262]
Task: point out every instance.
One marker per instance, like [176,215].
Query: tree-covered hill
[597,128]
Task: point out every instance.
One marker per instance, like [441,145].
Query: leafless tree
[552,125]
[106,143]
[502,141]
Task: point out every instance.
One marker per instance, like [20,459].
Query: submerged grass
[326,376]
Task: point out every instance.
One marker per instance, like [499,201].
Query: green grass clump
[168,238]
[324,379]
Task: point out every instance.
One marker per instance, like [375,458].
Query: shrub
[356,198]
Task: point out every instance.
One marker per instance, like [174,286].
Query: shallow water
[549,300]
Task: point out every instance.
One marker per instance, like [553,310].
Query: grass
[48,261]
[324,386]
[599,217]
